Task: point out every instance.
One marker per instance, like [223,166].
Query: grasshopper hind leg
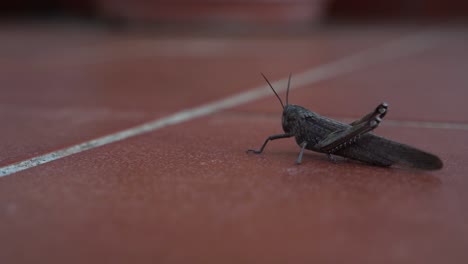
[345,137]
[380,111]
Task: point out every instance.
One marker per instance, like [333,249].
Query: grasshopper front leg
[272,137]
[342,138]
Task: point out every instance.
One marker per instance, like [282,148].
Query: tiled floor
[189,193]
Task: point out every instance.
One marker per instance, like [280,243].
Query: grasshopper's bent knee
[382,109]
[272,137]
[379,113]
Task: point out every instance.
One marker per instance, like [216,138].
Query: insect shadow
[354,141]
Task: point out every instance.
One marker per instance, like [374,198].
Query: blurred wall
[234,11]
[208,11]
[372,9]
[15,8]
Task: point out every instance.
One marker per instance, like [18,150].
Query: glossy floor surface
[187,192]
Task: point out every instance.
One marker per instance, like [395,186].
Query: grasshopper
[354,141]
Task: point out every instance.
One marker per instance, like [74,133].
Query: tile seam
[386,122]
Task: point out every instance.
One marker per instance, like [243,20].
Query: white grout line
[393,50]
[425,124]
[414,124]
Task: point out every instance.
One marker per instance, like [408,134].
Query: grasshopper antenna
[287,91]
[277,96]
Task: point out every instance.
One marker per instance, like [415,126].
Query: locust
[353,141]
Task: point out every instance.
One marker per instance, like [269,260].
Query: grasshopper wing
[384,152]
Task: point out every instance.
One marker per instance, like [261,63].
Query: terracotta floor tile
[88,82]
[191,192]
[33,131]
[430,86]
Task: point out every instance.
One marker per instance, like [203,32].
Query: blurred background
[236,12]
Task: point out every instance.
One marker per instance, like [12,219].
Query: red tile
[191,192]
[32,131]
[88,83]
[430,86]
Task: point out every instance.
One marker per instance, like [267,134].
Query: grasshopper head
[292,116]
